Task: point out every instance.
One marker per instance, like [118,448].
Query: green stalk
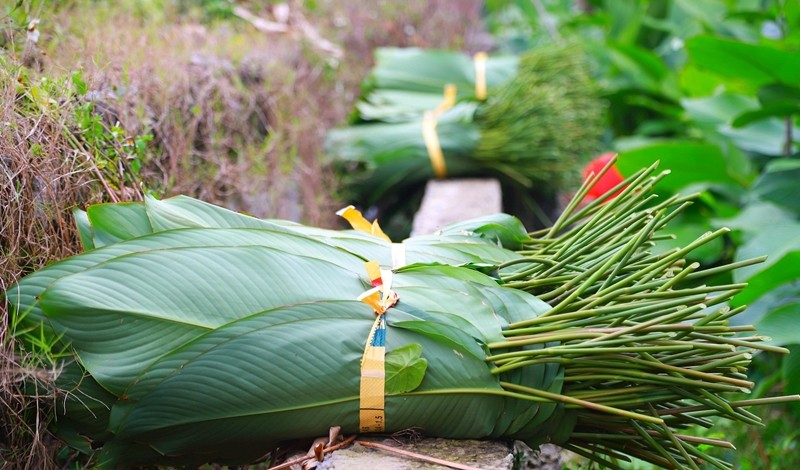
[555,397]
[655,321]
[648,377]
[678,445]
[742,342]
[679,277]
[592,456]
[647,437]
[590,316]
[725,268]
[565,349]
[634,245]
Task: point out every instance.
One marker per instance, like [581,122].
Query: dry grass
[28,398]
[37,192]
[238,118]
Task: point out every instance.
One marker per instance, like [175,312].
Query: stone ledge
[449,201]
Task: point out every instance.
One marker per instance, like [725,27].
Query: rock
[546,457]
[478,454]
[450,201]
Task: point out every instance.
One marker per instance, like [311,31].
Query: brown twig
[414,455]
[259,23]
[299,24]
[302,459]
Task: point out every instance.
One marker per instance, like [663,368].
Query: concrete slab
[449,201]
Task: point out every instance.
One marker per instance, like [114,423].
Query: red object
[611,178]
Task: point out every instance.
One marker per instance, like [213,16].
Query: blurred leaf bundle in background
[538,123]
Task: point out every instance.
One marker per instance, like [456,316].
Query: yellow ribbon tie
[372,392]
[371,410]
[358,222]
[480,74]
[450,95]
[429,134]
[433,146]
[381,297]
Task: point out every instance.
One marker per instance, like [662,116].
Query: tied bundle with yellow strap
[231,354]
[372,416]
[429,119]
[529,121]
[381,297]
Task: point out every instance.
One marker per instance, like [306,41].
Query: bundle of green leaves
[540,121]
[201,335]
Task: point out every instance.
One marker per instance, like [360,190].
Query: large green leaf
[442,276]
[766,136]
[775,298]
[389,105]
[506,304]
[777,241]
[112,223]
[754,217]
[221,292]
[779,184]
[782,325]
[791,373]
[719,108]
[689,164]
[779,270]
[84,229]
[502,229]
[758,64]
[393,159]
[126,312]
[226,391]
[779,93]
[716,114]
[643,70]
[777,100]
[780,110]
[23,296]
[186,212]
[710,13]
[455,250]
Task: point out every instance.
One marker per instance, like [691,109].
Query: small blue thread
[379,339]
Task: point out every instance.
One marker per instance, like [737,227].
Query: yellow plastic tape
[358,222]
[480,74]
[372,415]
[433,146]
[381,297]
[374,273]
[372,298]
[450,95]
[429,134]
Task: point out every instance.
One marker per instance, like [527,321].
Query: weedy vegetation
[104,101]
